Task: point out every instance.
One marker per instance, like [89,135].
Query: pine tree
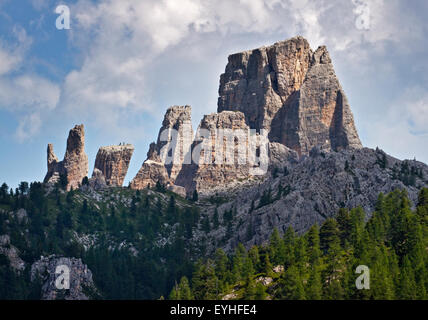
[260,293]
[182,291]
[313,240]
[314,286]
[329,235]
[291,285]
[249,288]
[289,242]
[277,248]
[216,221]
[195,196]
[407,281]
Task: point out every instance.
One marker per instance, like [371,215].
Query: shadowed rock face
[113,162]
[314,189]
[75,163]
[293,93]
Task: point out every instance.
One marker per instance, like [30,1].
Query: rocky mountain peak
[293,93]
[75,163]
[165,157]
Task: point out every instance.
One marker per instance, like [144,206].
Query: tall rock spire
[165,157]
[75,163]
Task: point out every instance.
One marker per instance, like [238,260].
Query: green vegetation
[139,246]
[321,263]
[137,249]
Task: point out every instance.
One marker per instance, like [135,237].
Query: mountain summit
[293,93]
[286,90]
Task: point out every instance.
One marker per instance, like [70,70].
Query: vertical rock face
[286,90]
[258,82]
[293,93]
[75,163]
[173,150]
[217,164]
[113,162]
[165,157]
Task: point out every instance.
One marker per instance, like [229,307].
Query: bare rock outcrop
[152,171]
[75,164]
[285,92]
[97,181]
[315,188]
[165,157]
[47,270]
[12,253]
[113,162]
[293,93]
[217,160]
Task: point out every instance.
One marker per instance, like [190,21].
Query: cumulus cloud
[121,39]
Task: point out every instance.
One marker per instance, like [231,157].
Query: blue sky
[124,62]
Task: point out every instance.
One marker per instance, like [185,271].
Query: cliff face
[75,163]
[293,93]
[166,156]
[286,90]
[113,162]
[216,160]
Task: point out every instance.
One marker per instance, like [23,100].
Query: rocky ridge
[313,189]
[165,157]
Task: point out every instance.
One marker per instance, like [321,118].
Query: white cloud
[11,56]
[28,92]
[25,94]
[8,61]
[28,126]
[40,4]
[120,40]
